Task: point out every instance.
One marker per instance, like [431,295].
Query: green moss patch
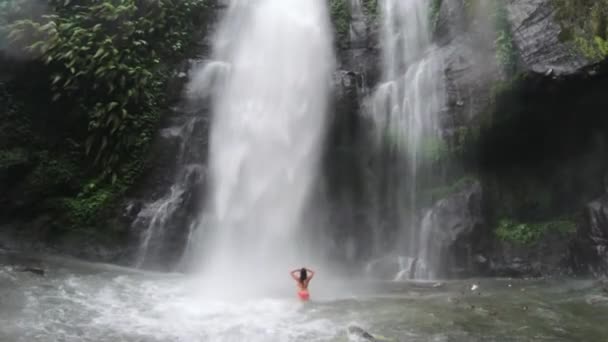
[529,233]
[341,19]
[585,24]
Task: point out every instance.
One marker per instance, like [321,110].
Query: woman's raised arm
[312,273]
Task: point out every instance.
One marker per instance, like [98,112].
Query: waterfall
[159,220]
[405,109]
[267,129]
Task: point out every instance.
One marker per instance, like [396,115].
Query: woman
[303,277]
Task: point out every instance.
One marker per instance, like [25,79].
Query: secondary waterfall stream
[405,107]
[268,123]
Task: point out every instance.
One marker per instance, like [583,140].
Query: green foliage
[595,49]
[531,233]
[15,130]
[12,157]
[7,9]
[85,208]
[585,24]
[433,149]
[106,62]
[102,67]
[464,140]
[371,8]
[98,195]
[434,14]
[341,19]
[506,54]
[52,170]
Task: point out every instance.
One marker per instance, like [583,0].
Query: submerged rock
[360,333]
[34,270]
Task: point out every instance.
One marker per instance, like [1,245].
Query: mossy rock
[529,233]
[585,24]
[341,20]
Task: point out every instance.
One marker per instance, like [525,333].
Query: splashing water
[405,108]
[78,301]
[267,130]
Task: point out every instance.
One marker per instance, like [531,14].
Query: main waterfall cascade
[269,111]
[405,108]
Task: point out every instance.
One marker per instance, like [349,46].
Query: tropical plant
[104,59]
[101,71]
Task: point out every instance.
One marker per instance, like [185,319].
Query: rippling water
[85,302]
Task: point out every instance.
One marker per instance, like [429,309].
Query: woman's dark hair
[303,274]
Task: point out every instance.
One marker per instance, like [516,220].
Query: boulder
[39,271]
[550,256]
[590,250]
[597,224]
[454,224]
[536,35]
[361,334]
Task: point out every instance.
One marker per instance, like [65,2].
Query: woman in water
[303,277]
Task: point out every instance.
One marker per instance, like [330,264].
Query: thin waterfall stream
[405,108]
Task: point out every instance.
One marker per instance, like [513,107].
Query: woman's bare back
[302,278]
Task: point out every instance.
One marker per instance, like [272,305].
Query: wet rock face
[38,236]
[536,34]
[398,268]
[466,43]
[469,72]
[597,214]
[459,214]
[548,256]
[591,247]
[170,195]
[455,222]
[362,56]
[450,21]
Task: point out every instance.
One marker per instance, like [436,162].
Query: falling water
[156,218]
[267,130]
[405,107]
